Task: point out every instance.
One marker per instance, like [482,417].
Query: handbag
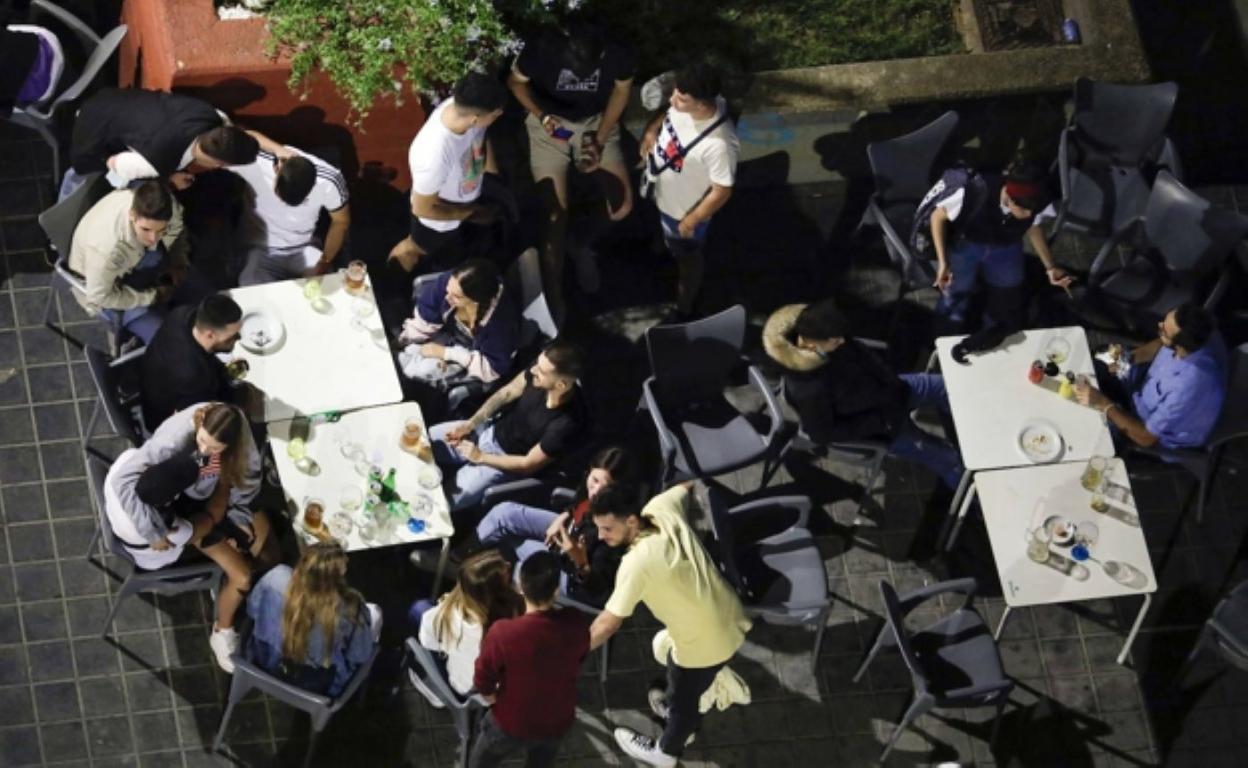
[649,173]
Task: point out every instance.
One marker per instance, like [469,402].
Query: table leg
[947,528]
[1135,628]
[437,575]
[967,498]
[1001,624]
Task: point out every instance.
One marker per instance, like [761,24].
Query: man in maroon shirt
[527,670]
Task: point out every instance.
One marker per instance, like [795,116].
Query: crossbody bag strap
[685,150]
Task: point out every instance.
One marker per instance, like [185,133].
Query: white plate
[1040,442]
[261,332]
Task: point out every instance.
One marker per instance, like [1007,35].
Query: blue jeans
[1001,267]
[927,390]
[140,321]
[465,482]
[520,530]
[690,263]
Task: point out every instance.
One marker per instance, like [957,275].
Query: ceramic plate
[1040,442]
[261,332]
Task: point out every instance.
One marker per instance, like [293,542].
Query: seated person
[134,134]
[289,194]
[841,391]
[216,437]
[1173,393]
[180,365]
[147,511]
[131,251]
[546,420]
[587,565]
[31,63]
[311,628]
[483,594]
[464,327]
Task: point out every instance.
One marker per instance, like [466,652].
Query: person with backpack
[974,225]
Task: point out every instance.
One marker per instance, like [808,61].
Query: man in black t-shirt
[574,83]
[180,365]
[546,420]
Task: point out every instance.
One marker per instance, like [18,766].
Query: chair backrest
[95,62]
[1124,123]
[902,167]
[435,678]
[105,377]
[1233,421]
[693,360]
[895,615]
[1192,235]
[97,473]
[524,280]
[94,50]
[60,221]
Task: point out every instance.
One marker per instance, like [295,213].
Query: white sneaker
[419,684]
[643,748]
[224,644]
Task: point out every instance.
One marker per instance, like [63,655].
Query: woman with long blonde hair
[311,628]
[482,595]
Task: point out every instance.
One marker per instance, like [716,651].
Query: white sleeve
[1050,212]
[130,165]
[429,169]
[721,162]
[952,204]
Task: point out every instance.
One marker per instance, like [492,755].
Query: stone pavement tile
[57,422]
[65,741]
[19,465]
[50,661]
[31,542]
[1127,730]
[155,731]
[148,691]
[10,625]
[1021,658]
[25,503]
[1063,656]
[62,460]
[16,426]
[94,656]
[42,345]
[167,759]
[56,701]
[103,695]
[29,306]
[1076,692]
[17,705]
[1054,621]
[44,621]
[141,650]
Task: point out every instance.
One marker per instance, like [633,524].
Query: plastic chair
[1232,424]
[1226,631]
[1110,152]
[1176,247]
[903,169]
[465,710]
[41,118]
[173,580]
[700,433]
[248,677]
[953,662]
[58,224]
[590,610]
[780,577]
[118,406]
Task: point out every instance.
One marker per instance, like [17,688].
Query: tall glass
[411,433]
[355,276]
[313,513]
[1095,474]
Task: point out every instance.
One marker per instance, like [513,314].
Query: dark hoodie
[850,394]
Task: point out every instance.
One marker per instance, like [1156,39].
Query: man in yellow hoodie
[667,568]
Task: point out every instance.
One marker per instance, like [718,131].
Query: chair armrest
[1111,245]
[68,274]
[667,440]
[511,491]
[874,344]
[890,235]
[913,598]
[1063,162]
[1219,288]
[68,19]
[133,354]
[983,690]
[357,678]
[773,406]
[293,692]
[562,497]
[799,503]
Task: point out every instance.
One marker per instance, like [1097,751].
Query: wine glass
[361,309]
[350,498]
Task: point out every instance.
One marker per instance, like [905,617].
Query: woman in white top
[455,626]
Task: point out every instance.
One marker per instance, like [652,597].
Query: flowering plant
[369,48]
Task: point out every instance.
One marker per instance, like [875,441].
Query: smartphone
[561,133]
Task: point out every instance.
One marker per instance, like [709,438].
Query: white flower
[384,44]
[472,34]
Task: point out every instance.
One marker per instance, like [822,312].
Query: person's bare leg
[617,191]
[234,563]
[406,253]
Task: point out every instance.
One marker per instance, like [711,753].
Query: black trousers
[685,686]
[493,746]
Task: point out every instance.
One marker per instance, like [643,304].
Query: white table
[324,363]
[991,401]
[1016,500]
[377,431]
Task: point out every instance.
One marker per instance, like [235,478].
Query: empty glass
[361,309]
[350,498]
[354,277]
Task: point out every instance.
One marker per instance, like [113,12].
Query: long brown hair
[226,424]
[483,594]
[317,595]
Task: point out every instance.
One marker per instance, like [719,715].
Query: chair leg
[917,709]
[237,692]
[313,738]
[875,649]
[90,430]
[996,721]
[869,484]
[602,666]
[1190,661]
[51,304]
[125,591]
[92,548]
[814,652]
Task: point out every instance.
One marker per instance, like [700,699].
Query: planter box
[181,45]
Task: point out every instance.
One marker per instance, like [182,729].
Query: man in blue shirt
[1175,393]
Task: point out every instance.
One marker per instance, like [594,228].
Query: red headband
[1023,190]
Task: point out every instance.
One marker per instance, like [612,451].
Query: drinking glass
[313,513]
[312,289]
[1094,474]
[340,525]
[350,498]
[355,274]
[411,432]
[360,311]
[296,448]
[1038,545]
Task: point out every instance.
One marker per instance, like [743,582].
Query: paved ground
[151,696]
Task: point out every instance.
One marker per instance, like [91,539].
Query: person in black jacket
[588,564]
[842,391]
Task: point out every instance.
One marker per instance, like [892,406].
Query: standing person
[311,628]
[527,670]
[289,194]
[131,250]
[449,158]
[574,83]
[180,366]
[691,153]
[667,568]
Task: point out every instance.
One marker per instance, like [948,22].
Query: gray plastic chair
[1226,632]
[173,580]
[953,662]
[42,118]
[248,677]
[700,433]
[120,408]
[1232,424]
[465,710]
[903,169]
[780,577]
[1175,248]
[1110,152]
[605,655]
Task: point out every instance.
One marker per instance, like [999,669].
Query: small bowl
[1061,530]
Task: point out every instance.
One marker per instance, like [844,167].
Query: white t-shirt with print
[713,160]
[446,164]
[281,226]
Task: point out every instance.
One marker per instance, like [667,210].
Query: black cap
[161,483]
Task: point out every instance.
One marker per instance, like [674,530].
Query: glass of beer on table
[356,272]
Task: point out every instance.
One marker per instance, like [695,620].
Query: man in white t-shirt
[289,195]
[448,159]
[691,154]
